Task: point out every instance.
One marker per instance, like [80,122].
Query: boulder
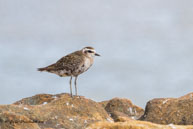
[134,124]
[122,109]
[51,111]
[170,110]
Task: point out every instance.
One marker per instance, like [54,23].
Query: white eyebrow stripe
[86,49]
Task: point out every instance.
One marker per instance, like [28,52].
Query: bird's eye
[89,51]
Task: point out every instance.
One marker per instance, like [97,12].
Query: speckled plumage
[73,64]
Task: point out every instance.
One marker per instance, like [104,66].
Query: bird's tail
[42,69]
[48,68]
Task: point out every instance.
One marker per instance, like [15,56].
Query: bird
[72,65]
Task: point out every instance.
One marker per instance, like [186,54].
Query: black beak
[97,54]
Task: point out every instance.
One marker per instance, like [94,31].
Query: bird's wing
[69,62]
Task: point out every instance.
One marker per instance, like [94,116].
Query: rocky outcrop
[170,110]
[45,111]
[123,109]
[134,124]
[51,111]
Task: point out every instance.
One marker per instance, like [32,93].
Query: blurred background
[146,47]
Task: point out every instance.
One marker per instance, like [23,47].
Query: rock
[123,109]
[170,110]
[37,99]
[9,120]
[11,117]
[51,111]
[19,126]
[134,124]
[103,103]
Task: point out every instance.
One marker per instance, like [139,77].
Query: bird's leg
[75,84]
[71,86]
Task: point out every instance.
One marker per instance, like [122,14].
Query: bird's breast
[87,63]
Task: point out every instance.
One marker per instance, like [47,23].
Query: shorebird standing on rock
[73,65]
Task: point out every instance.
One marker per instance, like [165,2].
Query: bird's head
[89,52]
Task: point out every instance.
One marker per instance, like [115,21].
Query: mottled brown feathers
[48,68]
[66,65]
[70,61]
[72,64]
